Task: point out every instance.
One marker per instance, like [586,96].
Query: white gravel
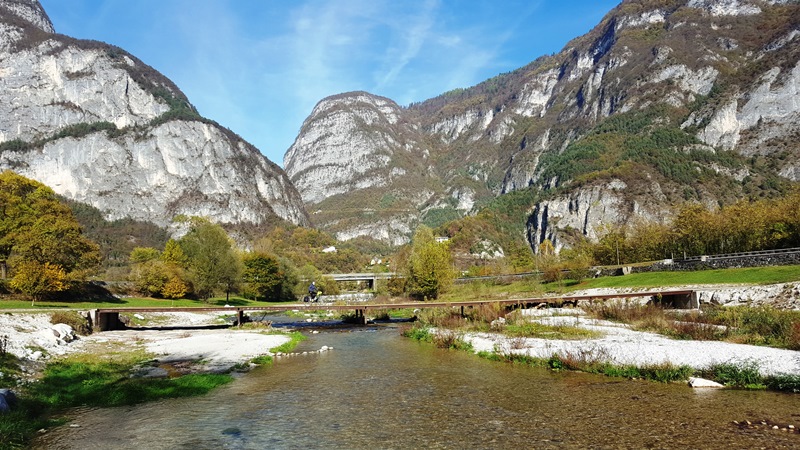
[31,337]
[621,345]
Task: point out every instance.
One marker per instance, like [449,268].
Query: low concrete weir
[107,319]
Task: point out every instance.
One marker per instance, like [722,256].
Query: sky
[258,67]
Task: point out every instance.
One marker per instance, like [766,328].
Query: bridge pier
[679,300]
[361,319]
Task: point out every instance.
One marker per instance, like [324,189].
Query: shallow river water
[379,390]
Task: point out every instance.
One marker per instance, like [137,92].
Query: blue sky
[258,67]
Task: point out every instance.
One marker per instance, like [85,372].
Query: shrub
[783,382]
[417,332]
[396,286]
[738,375]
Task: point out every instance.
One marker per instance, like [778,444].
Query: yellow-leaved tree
[37,280]
[41,243]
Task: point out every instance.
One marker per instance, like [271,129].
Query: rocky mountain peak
[30,11]
[693,100]
[101,127]
[346,137]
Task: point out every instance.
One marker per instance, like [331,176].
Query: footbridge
[106,319]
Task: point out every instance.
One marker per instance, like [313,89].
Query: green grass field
[484,289]
[531,287]
[753,275]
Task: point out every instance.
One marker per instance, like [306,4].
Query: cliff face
[363,168]
[101,127]
[662,102]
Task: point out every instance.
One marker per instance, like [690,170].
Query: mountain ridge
[101,127]
[704,86]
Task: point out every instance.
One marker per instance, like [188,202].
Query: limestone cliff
[101,127]
[661,103]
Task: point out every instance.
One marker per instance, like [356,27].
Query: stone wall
[725,262]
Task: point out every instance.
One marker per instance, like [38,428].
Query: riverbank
[189,349]
[619,345]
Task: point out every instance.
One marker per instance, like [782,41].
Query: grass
[740,324]
[532,287]
[741,376]
[92,380]
[538,330]
[296,338]
[442,338]
[752,275]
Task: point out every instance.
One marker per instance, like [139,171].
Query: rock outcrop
[101,127]
[657,95]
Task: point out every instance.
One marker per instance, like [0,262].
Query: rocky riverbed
[32,338]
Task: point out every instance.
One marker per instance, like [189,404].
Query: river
[377,389]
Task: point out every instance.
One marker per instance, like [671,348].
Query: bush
[744,375]
[783,382]
[396,286]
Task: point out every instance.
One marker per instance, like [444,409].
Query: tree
[36,226]
[269,278]
[150,277]
[430,266]
[173,254]
[213,264]
[143,254]
[38,280]
[174,288]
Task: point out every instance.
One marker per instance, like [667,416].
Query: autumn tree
[430,266]
[157,274]
[35,227]
[212,261]
[143,254]
[268,277]
[38,280]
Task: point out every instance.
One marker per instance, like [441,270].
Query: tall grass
[741,324]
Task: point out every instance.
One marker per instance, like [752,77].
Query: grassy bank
[743,325]
[738,325]
[742,376]
[99,381]
[532,287]
[131,302]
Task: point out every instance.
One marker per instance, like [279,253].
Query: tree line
[43,251]
[698,230]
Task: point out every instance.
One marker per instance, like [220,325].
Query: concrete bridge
[106,319]
[370,278]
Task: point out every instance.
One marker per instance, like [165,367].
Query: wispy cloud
[411,42]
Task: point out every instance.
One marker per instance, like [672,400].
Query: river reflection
[379,390]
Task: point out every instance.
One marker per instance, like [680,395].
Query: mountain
[663,102]
[101,127]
